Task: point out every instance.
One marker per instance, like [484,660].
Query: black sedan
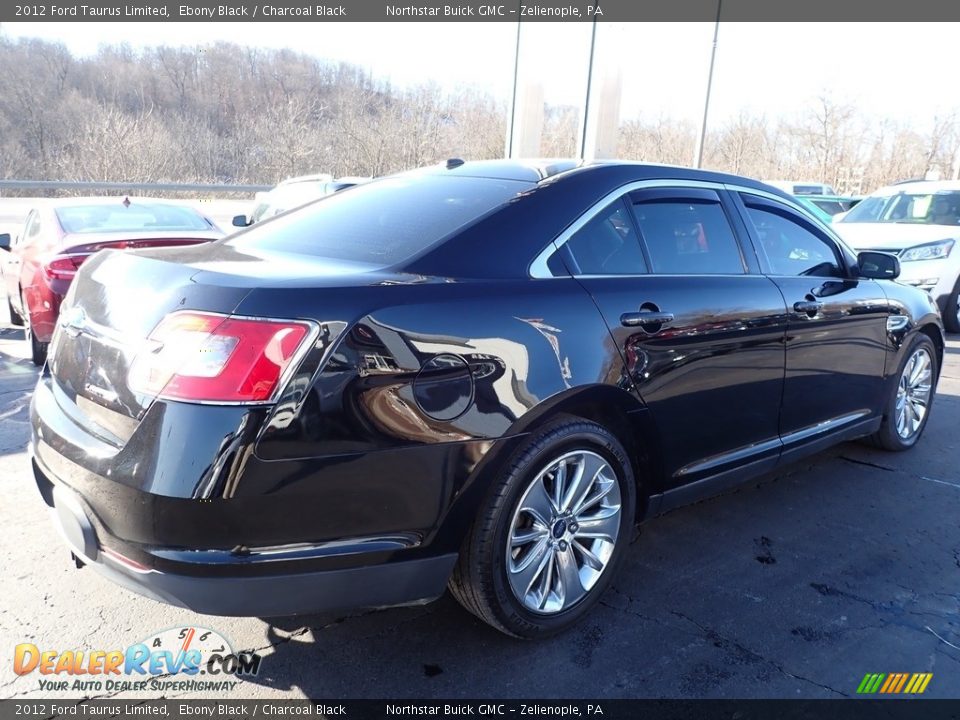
[477,375]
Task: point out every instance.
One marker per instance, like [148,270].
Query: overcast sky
[899,70]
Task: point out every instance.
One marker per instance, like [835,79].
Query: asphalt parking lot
[795,586]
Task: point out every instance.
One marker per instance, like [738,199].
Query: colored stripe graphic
[894,683]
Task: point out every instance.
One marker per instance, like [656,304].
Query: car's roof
[317,177]
[554,170]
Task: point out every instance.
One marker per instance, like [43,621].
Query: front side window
[792,249]
[606,245]
[688,238]
[32,228]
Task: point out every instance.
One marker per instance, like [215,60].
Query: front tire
[910,400]
[951,310]
[15,318]
[38,350]
[552,534]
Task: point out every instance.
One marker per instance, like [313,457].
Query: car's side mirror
[241,221]
[4,241]
[878,265]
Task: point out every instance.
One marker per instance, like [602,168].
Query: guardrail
[96,186]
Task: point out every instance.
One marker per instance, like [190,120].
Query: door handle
[646,317]
[809,307]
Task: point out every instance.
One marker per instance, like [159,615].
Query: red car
[59,235]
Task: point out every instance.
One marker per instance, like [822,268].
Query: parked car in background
[793,187]
[920,223]
[481,374]
[294,193]
[60,235]
[813,208]
[830,205]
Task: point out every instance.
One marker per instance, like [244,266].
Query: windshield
[288,197]
[941,208]
[384,222]
[129,217]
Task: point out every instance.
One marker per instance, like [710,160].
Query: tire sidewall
[574,436]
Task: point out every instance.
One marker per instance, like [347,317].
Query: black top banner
[853,11]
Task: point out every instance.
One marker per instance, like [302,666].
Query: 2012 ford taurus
[477,375]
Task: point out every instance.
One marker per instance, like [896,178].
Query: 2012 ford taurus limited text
[477,375]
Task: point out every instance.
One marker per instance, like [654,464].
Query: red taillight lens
[63,267]
[215,358]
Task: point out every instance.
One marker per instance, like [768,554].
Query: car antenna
[126,202]
[454,163]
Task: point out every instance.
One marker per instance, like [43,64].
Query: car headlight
[929,251]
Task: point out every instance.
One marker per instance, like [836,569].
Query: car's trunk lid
[115,302]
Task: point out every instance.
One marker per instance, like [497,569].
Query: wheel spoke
[603,525]
[524,573]
[589,467]
[546,579]
[527,535]
[559,485]
[920,364]
[539,504]
[601,489]
[571,589]
[588,557]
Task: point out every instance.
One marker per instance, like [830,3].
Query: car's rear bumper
[232,590]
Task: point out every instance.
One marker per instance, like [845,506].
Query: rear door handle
[646,317]
[809,307]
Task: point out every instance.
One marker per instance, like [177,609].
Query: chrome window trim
[538,267]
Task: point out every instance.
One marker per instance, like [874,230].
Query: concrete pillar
[602,114]
[527,121]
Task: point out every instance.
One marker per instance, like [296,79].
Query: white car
[794,187]
[919,222]
[294,193]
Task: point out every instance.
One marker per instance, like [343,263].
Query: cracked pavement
[794,586]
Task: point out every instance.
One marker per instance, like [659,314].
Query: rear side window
[607,245]
[688,238]
[384,222]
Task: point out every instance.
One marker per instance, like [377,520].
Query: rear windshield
[383,222]
[135,217]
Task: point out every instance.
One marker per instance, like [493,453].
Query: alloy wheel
[913,393]
[563,532]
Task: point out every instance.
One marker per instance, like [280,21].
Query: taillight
[63,267]
[204,357]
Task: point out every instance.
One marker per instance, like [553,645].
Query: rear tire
[552,533]
[15,318]
[911,398]
[38,350]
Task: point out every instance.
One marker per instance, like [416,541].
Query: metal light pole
[706,103]
[513,101]
[586,101]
